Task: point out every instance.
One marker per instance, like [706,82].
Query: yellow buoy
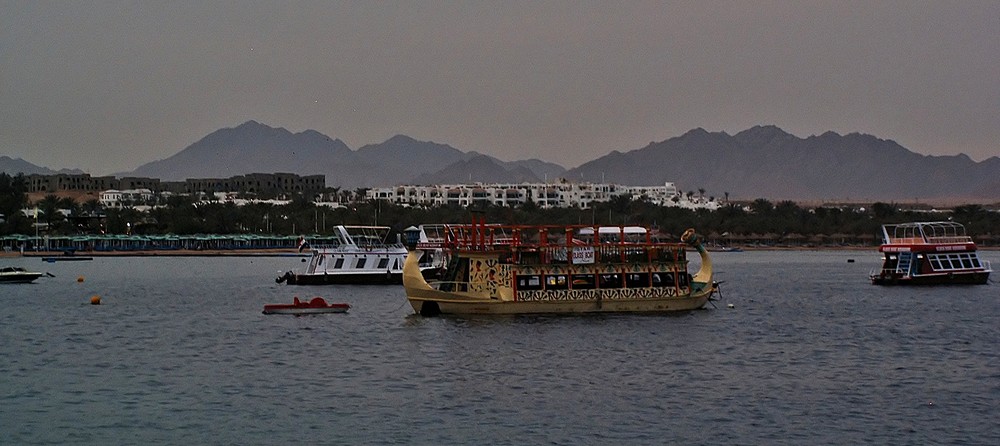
[79,279]
[95,300]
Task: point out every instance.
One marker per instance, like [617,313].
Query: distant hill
[13,166]
[254,147]
[760,162]
[765,161]
[479,169]
[249,148]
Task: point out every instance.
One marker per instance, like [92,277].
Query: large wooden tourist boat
[496,269]
[361,255]
[929,253]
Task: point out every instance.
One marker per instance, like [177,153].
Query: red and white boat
[929,253]
[315,306]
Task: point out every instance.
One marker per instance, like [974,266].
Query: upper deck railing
[544,244]
[917,233]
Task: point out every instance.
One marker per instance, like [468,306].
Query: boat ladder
[903,267]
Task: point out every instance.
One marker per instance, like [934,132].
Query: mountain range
[763,161]
[13,166]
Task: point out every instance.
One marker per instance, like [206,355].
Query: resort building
[544,195]
[121,198]
[256,183]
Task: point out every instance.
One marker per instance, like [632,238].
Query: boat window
[663,279]
[557,282]
[529,283]
[338,264]
[583,281]
[395,265]
[637,280]
[935,262]
[956,263]
[382,263]
[361,263]
[950,262]
[966,261]
[530,257]
[945,263]
[610,280]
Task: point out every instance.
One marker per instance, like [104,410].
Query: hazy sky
[108,86]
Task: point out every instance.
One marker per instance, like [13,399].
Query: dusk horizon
[105,88]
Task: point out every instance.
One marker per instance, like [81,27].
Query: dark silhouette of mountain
[765,161]
[249,148]
[541,169]
[14,166]
[399,159]
[253,147]
[478,169]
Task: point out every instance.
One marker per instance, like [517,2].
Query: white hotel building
[544,195]
[121,198]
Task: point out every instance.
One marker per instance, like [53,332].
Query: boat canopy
[614,230]
[932,232]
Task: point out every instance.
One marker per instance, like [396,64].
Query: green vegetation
[760,221]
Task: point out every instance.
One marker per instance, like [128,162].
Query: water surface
[179,353]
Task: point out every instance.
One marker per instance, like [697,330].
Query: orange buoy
[79,279]
[95,300]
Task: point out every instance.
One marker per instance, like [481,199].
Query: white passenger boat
[361,255]
[929,253]
[15,274]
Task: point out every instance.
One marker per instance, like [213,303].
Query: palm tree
[49,207]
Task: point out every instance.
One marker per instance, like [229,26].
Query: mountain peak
[249,124]
[762,131]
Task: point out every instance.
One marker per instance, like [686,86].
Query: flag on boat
[302,243]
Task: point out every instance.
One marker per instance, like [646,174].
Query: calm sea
[179,353]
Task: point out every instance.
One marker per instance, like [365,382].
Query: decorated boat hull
[432,304]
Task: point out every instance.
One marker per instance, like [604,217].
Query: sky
[110,85]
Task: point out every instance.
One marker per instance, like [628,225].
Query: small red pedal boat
[315,306]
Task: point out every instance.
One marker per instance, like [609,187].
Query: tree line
[784,221]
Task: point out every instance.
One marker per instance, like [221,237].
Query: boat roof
[478,237]
[925,232]
[612,230]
